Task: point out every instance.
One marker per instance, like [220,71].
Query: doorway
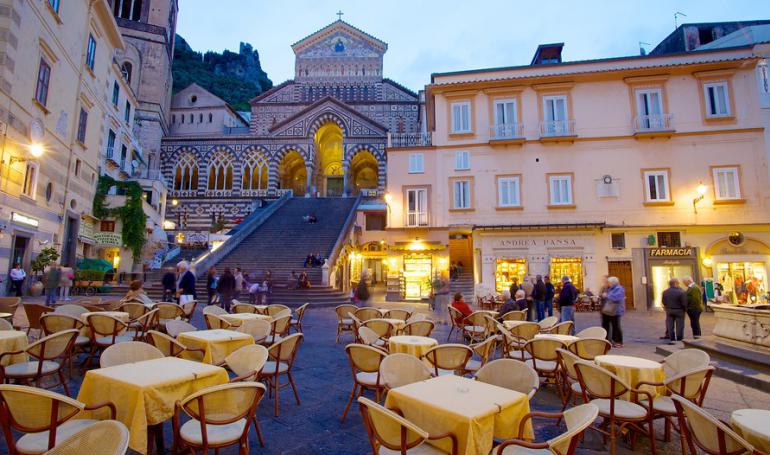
[622,270]
[333,186]
[70,241]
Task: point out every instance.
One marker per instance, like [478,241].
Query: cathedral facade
[323,133]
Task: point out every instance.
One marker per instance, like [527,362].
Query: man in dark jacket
[550,293]
[169,284]
[226,288]
[694,305]
[538,295]
[567,297]
[675,303]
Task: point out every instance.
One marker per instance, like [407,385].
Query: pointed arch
[186,170]
[324,118]
[220,171]
[255,170]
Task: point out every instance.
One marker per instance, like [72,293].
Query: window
[115,93]
[656,186]
[54,5]
[200,118]
[110,144]
[717,101]
[127,113]
[221,171]
[649,108]
[618,240]
[375,222]
[43,79]
[416,163]
[191,119]
[29,187]
[82,123]
[509,191]
[182,117]
[123,156]
[669,240]
[462,160]
[128,9]
[107,226]
[417,207]
[77,168]
[554,114]
[186,173]
[173,118]
[255,170]
[461,194]
[126,69]
[726,183]
[211,117]
[91,52]
[505,112]
[560,187]
[461,117]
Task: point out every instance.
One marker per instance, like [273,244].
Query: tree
[46,257]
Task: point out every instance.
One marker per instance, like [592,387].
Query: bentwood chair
[219,417]
[712,436]
[365,365]
[416,317]
[604,389]
[389,433]
[34,311]
[578,420]
[215,322]
[571,386]
[562,328]
[299,315]
[279,329]
[282,356]
[44,418]
[402,369]
[590,348]
[55,322]
[421,328]
[476,326]
[685,360]
[275,309]
[516,338]
[514,316]
[544,359]
[5,325]
[592,332]
[145,323]
[369,337]
[382,327]
[510,374]
[174,327]
[105,331]
[397,314]
[243,308]
[128,352]
[135,310]
[247,363]
[45,352]
[188,309]
[483,350]
[258,329]
[548,322]
[168,312]
[366,313]
[171,347]
[108,437]
[71,310]
[344,322]
[214,309]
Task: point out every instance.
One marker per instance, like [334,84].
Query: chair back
[89,301]
[577,419]
[421,328]
[107,437]
[402,369]
[224,404]
[685,360]
[9,304]
[598,382]
[548,322]
[452,357]
[147,321]
[282,314]
[215,322]
[286,349]
[111,305]
[214,309]
[691,384]
[708,433]
[477,318]
[5,325]
[104,325]
[397,314]
[174,328]
[259,329]
[71,310]
[510,374]
[300,312]
[188,309]
[515,316]
[366,313]
[455,316]
[135,310]
[275,309]
[543,349]
[364,358]
[247,362]
[484,348]
[55,322]
[53,346]
[169,311]
[367,336]
[567,361]
[280,325]
[343,310]
[128,352]
[525,332]
[593,332]
[169,346]
[34,311]
[589,348]
[562,328]
[416,317]
[384,329]
[388,429]
[32,410]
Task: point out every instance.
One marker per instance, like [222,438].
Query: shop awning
[418,245]
[539,227]
[94,264]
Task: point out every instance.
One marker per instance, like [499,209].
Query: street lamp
[701,190]
[35,149]
[174,202]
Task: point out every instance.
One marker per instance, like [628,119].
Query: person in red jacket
[459,304]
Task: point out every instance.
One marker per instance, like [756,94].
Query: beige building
[195,110]
[643,167]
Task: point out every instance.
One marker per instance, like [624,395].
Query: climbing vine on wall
[131,215]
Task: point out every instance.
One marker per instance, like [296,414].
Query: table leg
[155,439]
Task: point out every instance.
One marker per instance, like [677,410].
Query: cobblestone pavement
[323,378]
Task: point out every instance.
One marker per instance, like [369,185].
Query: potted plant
[46,257]
[89,278]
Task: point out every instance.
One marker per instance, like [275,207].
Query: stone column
[345,170]
[309,180]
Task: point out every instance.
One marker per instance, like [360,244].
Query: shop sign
[86,230]
[17,217]
[671,252]
[108,239]
[526,243]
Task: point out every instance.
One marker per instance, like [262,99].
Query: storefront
[413,266]
[508,269]
[739,267]
[571,267]
[663,264]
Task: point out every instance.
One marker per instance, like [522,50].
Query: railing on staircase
[344,233]
[246,228]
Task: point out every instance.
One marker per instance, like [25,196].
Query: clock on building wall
[736,238]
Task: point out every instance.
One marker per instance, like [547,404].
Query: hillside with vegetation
[234,77]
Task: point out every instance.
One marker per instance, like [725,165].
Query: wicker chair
[571,386]
[562,328]
[259,329]
[45,352]
[592,332]
[243,308]
[421,328]
[71,310]
[5,325]
[369,337]
[476,326]
[88,301]
[590,348]
[34,311]
[44,418]
[219,417]
[105,331]
[344,323]
[382,327]
[389,433]
[366,313]
[685,360]
[514,316]
[299,315]
[168,312]
[483,350]
[135,310]
[274,309]
[9,304]
[282,356]
[108,437]
[516,338]
[449,358]
[510,374]
[55,322]
[188,309]
[544,359]
[278,330]
[709,434]
[548,322]
[215,322]
[247,362]
[214,309]
[578,420]
[365,365]
[170,347]
[175,327]
[456,319]
[402,369]
[128,352]
[397,314]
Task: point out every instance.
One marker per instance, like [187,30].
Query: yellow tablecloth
[754,426]
[10,341]
[474,411]
[566,339]
[411,344]
[217,343]
[633,370]
[237,319]
[144,393]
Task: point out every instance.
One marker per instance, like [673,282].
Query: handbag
[610,308]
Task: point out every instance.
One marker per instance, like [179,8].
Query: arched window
[200,118]
[126,70]
[255,171]
[211,117]
[186,173]
[220,171]
[191,119]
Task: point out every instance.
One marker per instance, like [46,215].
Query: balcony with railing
[653,125]
[506,133]
[109,155]
[398,140]
[557,130]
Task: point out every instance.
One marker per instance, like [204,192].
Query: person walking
[185,287]
[613,308]
[550,293]
[694,305]
[538,295]
[17,275]
[51,282]
[65,283]
[211,284]
[528,286]
[675,304]
[567,297]
[226,288]
[238,282]
[169,284]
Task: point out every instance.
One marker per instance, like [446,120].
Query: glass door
[571,267]
[417,275]
[661,274]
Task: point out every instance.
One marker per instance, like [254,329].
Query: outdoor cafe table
[754,426]
[236,319]
[411,344]
[475,412]
[566,339]
[216,344]
[144,392]
[633,370]
[12,341]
